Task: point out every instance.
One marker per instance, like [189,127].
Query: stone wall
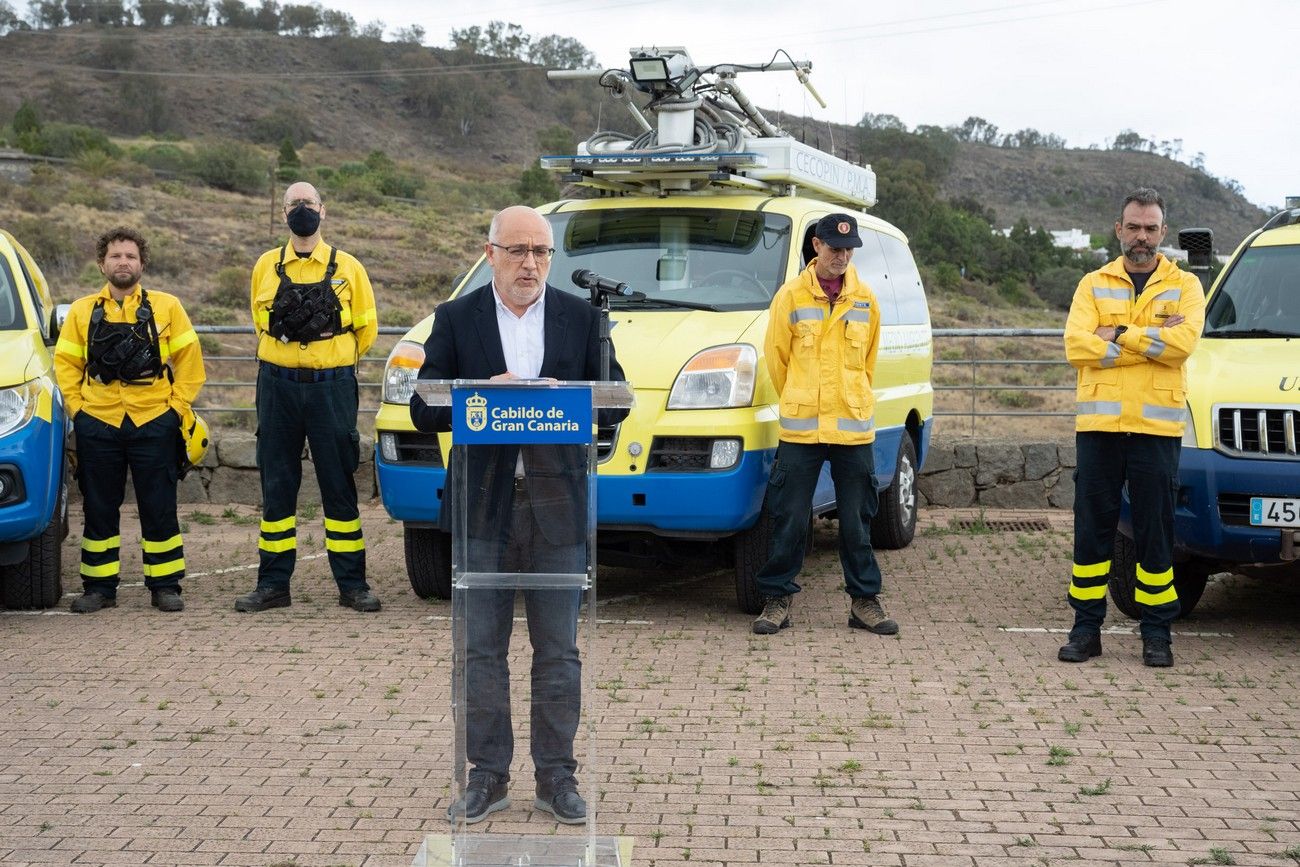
[1000,475]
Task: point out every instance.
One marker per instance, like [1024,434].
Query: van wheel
[37,582]
[895,522]
[428,561]
[1189,580]
[751,549]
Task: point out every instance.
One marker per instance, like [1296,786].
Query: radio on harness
[124,351]
[306,312]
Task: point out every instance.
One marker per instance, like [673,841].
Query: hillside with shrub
[190,128]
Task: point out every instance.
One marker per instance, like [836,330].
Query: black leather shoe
[566,806]
[89,603]
[167,599]
[362,601]
[1156,653]
[1080,649]
[262,599]
[482,798]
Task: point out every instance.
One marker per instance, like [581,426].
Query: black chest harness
[124,351]
[306,312]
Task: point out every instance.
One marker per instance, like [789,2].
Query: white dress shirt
[523,338]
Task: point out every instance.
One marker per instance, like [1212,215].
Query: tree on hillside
[1128,140]
[300,19]
[510,42]
[188,12]
[882,121]
[152,13]
[976,129]
[412,34]
[233,13]
[267,16]
[9,19]
[47,13]
[334,23]
[561,52]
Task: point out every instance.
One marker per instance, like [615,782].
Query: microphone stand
[600,300]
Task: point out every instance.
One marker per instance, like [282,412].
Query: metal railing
[975,361]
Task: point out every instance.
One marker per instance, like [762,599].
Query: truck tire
[428,561]
[751,549]
[1189,580]
[37,582]
[895,522]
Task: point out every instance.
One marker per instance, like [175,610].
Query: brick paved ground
[318,736]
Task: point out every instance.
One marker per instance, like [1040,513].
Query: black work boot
[483,796]
[263,598]
[1156,653]
[167,599]
[90,602]
[1080,648]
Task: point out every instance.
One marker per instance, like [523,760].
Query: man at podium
[531,501]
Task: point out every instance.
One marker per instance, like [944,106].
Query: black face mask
[303,221]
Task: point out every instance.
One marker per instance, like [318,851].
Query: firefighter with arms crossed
[314,312]
[129,365]
[1132,325]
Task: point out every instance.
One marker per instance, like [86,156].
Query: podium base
[508,850]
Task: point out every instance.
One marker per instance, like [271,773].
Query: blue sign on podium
[522,414]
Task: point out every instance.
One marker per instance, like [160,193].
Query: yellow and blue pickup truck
[707,236]
[34,475]
[1238,501]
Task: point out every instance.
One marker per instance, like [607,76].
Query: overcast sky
[1218,75]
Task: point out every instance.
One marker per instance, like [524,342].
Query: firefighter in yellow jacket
[1132,325]
[314,313]
[129,365]
[823,334]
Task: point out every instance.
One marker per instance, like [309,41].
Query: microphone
[591,280]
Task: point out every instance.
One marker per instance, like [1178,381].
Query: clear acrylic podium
[522,489]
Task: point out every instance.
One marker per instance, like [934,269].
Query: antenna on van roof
[700,131]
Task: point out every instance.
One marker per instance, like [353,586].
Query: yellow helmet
[196,438]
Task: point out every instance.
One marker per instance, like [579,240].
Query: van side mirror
[57,318]
[1199,245]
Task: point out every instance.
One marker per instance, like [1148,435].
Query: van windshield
[11,309]
[721,259]
[1259,297]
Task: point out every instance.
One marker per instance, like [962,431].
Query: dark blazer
[466,344]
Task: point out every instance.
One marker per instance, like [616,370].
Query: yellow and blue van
[33,429]
[707,239]
[1238,502]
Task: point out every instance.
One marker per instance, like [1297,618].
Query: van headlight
[18,405]
[403,365]
[717,377]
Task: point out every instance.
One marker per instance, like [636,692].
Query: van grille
[1257,431]
[606,437]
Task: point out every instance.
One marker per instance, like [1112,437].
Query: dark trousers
[324,415]
[1149,466]
[104,454]
[790,491]
[485,621]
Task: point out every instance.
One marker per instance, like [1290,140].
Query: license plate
[1274,512]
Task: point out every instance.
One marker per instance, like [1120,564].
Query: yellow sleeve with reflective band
[1083,348]
[776,343]
[70,358]
[182,344]
[365,321]
[873,344]
[1171,346]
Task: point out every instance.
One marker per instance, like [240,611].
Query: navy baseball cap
[838,230]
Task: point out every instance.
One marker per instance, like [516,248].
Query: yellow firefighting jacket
[177,344]
[822,357]
[351,284]
[1135,384]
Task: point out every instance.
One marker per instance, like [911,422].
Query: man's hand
[1106,333]
[1174,319]
[502,377]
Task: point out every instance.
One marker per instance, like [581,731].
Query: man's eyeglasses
[519,252]
[311,203]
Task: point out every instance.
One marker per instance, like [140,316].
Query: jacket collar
[1115,268]
[853,287]
[320,253]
